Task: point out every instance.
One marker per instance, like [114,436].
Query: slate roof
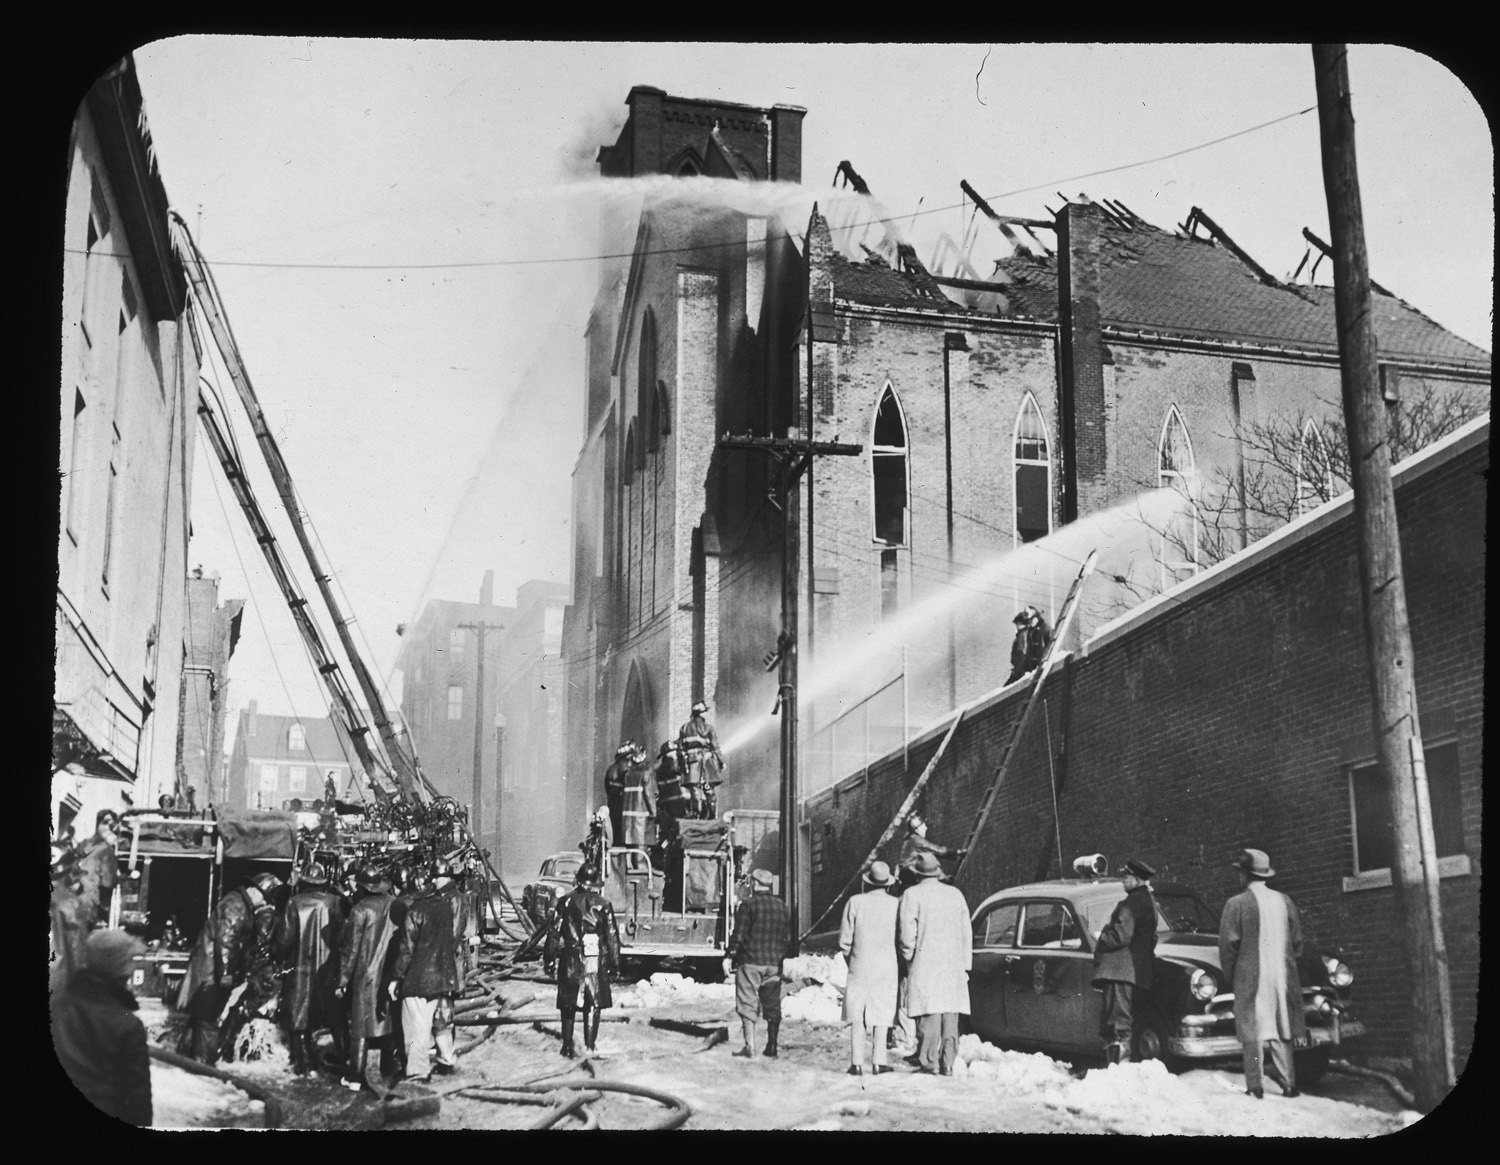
[1153,280]
[271,736]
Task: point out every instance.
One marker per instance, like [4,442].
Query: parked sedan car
[1031,987]
[555,879]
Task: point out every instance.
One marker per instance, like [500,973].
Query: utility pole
[792,456]
[1387,631]
[480,629]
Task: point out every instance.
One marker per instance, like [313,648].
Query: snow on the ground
[667,989]
[182,1100]
[818,1003]
[818,969]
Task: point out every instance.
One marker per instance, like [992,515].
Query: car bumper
[1213,1047]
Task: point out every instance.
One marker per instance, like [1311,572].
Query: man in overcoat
[585,941]
[427,977]
[915,842]
[935,940]
[867,938]
[1123,954]
[761,943]
[363,951]
[242,920]
[72,919]
[99,1042]
[1260,941]
[307,937]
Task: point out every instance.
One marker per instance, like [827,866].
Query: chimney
[786,143]
[250,719]
[487,590]
[1081,403]
[646,119]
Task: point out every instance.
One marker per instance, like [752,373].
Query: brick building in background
[1233,711]
[275,759]
[126,426]
[213,630]
[1102,358]
[522,786]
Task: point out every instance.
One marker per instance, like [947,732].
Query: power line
[557,259]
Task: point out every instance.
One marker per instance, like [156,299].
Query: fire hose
[586,1091]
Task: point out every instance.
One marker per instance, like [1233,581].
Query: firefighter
[363,951]
[223,957]
[1030,646]
[636,807]
[596,846]
[671,803]
[703,763]
[585,940]
[426,978]
[307,937]
[614,786]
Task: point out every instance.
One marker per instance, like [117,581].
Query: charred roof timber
[851,178]
[1328,253]
[1197,216]
[1006,221]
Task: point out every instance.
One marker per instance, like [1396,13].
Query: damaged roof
[1153,280]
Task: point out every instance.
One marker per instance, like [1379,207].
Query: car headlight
[1339,973]
[1203,985]
[1322,1005]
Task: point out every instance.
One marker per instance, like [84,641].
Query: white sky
[431,418]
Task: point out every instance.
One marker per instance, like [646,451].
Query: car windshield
[1176,913]
[563,867]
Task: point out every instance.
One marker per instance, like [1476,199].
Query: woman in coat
[867,938]
[936,940]
[364,950]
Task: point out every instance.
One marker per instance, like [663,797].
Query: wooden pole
[1383,591]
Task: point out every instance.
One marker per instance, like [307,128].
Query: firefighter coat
[363,951]
[583,912]
[427,959]
[937,942]
[307,937]
[1247,946]
[221,956]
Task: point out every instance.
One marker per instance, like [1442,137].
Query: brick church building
[1102,357]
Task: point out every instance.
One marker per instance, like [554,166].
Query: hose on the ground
[538,1091]
[254,1091]
[1398,1090]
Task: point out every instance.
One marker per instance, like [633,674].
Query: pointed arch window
[1177,470]
[630,449]
[1314,475]
[1033,474]
[888,470]
[645,386]
[662,423]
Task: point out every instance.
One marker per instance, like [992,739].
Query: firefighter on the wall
[584,939]
[703,763]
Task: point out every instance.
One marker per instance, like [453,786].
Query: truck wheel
[1151,1034]
[1310,1064]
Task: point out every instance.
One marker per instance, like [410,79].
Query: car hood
[1198,950]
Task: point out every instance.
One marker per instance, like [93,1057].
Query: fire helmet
[315,874]
[588,875]
[266,882]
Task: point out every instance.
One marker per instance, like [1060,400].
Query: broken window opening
[888,470]
[1176,470]
[1033,475]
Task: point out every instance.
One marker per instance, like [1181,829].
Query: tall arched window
[1033,466]
[888,470]
[645,386]
[630,452]
[1314,476]
[1176,469]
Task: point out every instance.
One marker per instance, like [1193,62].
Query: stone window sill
[1456,866]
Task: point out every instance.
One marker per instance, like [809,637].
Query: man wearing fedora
[1123,959]
[307,936]
[762,941]
[867,938]
[935,941]
[1260,940]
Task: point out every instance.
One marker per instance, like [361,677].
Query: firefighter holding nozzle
[585,941]
[702,762]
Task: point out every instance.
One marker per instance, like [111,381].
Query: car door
[994,943]
[1048,1000]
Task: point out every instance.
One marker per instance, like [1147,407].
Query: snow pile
[819,1003]
[183,1100]
[1136,1097]
[1014,1072]
[818,969]
[666,989]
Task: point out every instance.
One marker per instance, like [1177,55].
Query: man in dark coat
[584,939]
[1123,959]
[427,978]
[1260,941]
[614,787]
[761,943]
[99,1043]
[1030,647]
[363,950]
[307,937]
[222,957]
[72,919]
[671,802]
[99,864]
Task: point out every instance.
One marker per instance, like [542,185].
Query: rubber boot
[569,1021]
[591,1029]
[772,1027]
[299,1053]
[748,1052]
[354,1070]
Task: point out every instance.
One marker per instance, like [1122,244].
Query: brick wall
[1227,716]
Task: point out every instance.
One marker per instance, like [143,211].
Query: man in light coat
[936,942]
[1260,941]
[867,938]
